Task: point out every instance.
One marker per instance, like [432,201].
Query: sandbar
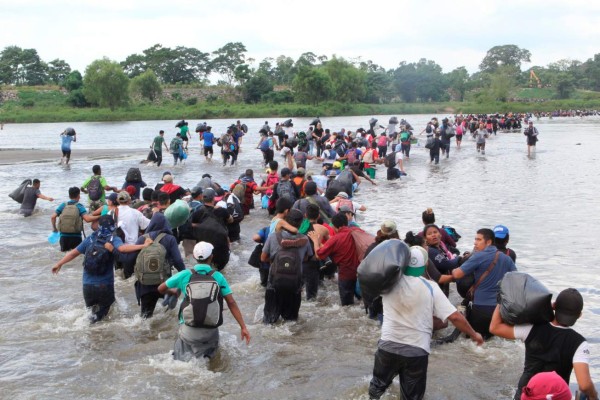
[21,156]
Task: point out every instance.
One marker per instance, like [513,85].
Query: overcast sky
[452,33]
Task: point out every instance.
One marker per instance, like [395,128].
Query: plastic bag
[53,237]
[177,213]
[362,241]
[19,193]
[524,300]
[382,268]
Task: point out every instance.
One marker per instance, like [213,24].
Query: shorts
[69,242]
[459,138]
[208,150]
[185,139]
[66,153]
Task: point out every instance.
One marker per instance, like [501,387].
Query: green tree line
[310,79]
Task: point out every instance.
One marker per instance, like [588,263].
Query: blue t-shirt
[66,142]
[236,137]
[109,277]
[487,292]
[208,139]
[181,279]
[81,209]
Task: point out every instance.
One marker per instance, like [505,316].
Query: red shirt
[342,251]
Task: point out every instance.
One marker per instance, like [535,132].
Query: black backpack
[98,260]
[390,160]
[286,190]
[203,303]
[235,208]
[133,175]
[95,188]
[286,267]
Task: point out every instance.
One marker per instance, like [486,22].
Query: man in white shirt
[404,346]
[130,220]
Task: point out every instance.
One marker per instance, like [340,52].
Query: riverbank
[14,113]
[20,156]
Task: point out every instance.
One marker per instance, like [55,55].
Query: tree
[405,81]
[134,65]
[501,83]
[307,59]
[457,82]
[243,73]
[348,81]
[564,83]
[147,85]
[73,81]
[430,85]
[256,87]
[105,84]
[58,70]
[22,67]
[284,71]
[379,88]
[227,58]
[312,85]
[508,55]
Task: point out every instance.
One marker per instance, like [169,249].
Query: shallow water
[48,351]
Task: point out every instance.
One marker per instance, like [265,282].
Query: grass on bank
[49,106]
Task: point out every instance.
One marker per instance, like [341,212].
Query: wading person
[95,187]
[71,215]
[157,145]
[31,194]
[200,316]
[532,133]
[98,270]
[406,331]
[552,346]
[66,139]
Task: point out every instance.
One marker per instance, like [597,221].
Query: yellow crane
[533,76]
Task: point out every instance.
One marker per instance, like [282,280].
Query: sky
[452,33]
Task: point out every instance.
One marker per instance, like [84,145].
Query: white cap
[418,257]
[203,250]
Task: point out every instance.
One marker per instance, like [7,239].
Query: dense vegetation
[136,88]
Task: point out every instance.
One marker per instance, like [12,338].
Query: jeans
[310,275]
[405,149]
[99,298]
[158,157]
[412,372]
[346,288]
[382,151]
[434,155]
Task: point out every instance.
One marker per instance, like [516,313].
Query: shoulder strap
[484,275]
[159,237]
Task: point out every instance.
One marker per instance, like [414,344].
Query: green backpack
[151,267]
[69,220]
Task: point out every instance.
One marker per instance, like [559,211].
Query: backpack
[239,190]
[203,303]
[430,142]
[405,137]
[235,208]
[352,156]
[344,202]
[185,231]
[286,267]
[382,141]
[302,141]
[94,188]
[146,210]
[69,220]
[133,175]
[285,190]
[332,155]
[151,266]
[340,149]
[429,129]
[174,146]
[265,145]
[390,159]
[368,157]
[98,260]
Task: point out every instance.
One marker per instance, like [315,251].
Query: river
[48,350]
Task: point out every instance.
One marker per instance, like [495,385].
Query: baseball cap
[123,197]
[343,195]
[418,257]
[346,209]
[569,304]
[546,385]
[166,173]
[337,165]
[167,178]
[388,227]
[203,250]
[206,176]
[209,194]
[112,197]
[196,191]
[106,221]
[500,231]
[301,171]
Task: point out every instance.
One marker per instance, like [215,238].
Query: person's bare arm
[584,380]
[500,328]
[70,256]
[53,221]
[129,248]
[91,218]
[41,196]
[282,224]
[459,321]
[163,289]
[237,314]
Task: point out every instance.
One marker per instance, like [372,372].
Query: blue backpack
[98,260]
[265,145]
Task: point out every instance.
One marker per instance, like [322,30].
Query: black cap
[568,306]
[285,171]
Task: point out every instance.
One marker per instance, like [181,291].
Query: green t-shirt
[158,143]
[182,278]
[103,184]
[184,131]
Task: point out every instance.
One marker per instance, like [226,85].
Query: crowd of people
[311,235]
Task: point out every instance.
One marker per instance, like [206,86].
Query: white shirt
[399,157]
[408,310]
[131,221]
[582,354]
